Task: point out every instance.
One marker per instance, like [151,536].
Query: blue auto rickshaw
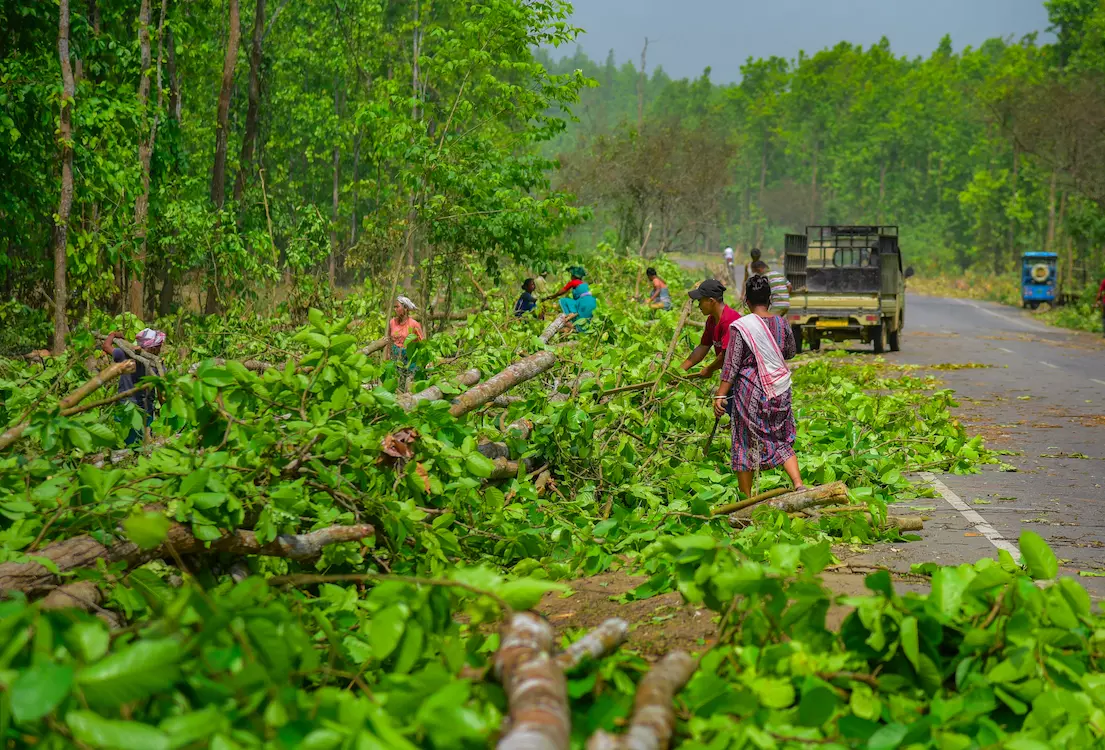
[1038,277]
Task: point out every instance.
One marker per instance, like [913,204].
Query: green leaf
[147,530]
[136,672]
[190,728]
[816,557]
[525,593]
[773,692]
[107,734]
[194,482]
[479,465]
[817,706]
[88,640]
[80,438]
[908,635]
[387,628]
[411,649]
[38,691]
[888,737]
[1038,557]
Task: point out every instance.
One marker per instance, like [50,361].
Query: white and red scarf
[770,365]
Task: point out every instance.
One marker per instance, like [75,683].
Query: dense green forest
[979,154]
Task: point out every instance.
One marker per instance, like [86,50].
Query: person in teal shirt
[582,302]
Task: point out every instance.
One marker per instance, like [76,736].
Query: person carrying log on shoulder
[582,302]
[763,428]
[400,328]
[710,296]
[148,340]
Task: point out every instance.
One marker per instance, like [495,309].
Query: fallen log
[834,493]
[83,552]
[376,346]
[596,644]
[83,595]
[653,720]
[554,327]
[454,314]
[434,393]
[722,510]
[536,691]
[504,468]
[70,402]
[498,384]
[902,523]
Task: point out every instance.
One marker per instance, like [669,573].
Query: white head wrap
[406,302]
[148,338]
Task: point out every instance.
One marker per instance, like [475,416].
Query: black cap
[709,288]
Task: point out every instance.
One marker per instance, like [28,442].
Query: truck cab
[1038,278]
[847,284]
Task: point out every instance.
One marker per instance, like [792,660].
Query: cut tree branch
[536,691]
[653,721]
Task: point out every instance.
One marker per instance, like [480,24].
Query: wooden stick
[710,440]
[722,510]
[683,315]
[826,494]
[376,346]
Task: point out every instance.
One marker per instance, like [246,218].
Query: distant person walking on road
[748,270]
[763,429]
[660,297]
[780,287]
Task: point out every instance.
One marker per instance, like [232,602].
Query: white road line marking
[1048,364]
[1014,321]
[1007,351]
[972,516]
[1100,382]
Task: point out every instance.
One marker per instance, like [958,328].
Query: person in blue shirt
[582,303]
[526,301]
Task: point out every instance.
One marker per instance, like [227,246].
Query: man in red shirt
[710,296]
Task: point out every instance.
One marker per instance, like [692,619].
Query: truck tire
[797,331]
[894,338]
[878,338]
[815,342]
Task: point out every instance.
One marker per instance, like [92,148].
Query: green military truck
[847,284]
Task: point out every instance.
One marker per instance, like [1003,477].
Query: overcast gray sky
[692,34]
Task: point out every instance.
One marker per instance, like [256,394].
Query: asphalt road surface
[1042,398]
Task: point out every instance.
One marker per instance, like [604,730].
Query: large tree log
[722,510]
[519,372]
[434,393]
[825,494]
[83,551]
[553,328]
[653,721]
[536,692]
[596,644]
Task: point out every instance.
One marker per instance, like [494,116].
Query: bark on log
[722,510]
[519,372]
[536,692]
[504,468]
[826,494]
[553,328]
[653,721]
[434,393]
[83,551]
[902,523]
[84,595]
[596,644]
[376,346]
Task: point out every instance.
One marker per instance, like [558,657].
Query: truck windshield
[853,256]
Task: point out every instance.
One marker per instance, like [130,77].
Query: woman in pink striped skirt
[763,421]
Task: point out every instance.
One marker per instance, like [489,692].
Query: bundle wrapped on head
[406,302]
[577,272]
[148,338]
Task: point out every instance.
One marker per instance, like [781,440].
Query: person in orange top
[399,329]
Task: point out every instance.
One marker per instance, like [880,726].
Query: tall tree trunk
[642,79]
[332,265]
[882,191]
[65,202]
[1059,236]
[253,112]
[218,171]
[353,197]
[813,184]
[1050,243]
[412,214]
[763,185]
[1011,241]
[145,149]
[174,79]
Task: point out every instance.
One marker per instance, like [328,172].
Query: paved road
[1042,397]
